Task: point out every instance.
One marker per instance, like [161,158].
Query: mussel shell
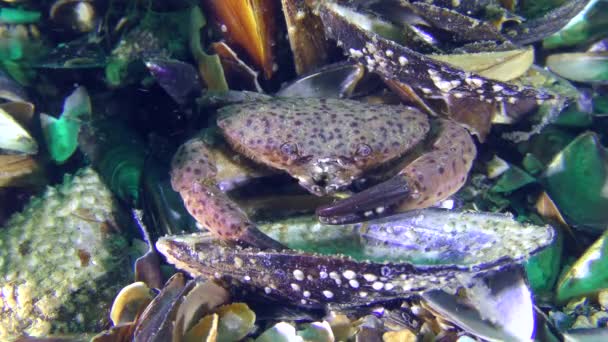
[387,258]
[13,137]
[400,63]
[76,15]
[580,67]
[334,80]
[11,90]
[180,80]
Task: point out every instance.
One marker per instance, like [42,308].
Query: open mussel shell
[248,26]
[365,262]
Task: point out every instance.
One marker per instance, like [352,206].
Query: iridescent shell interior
[429,237]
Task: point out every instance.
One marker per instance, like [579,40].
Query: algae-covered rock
[61,262]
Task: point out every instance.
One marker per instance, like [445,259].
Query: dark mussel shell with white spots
[367,262]
[398,62]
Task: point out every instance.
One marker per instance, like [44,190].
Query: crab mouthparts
[327,177]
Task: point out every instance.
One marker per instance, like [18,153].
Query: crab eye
[289,149]
[363,150]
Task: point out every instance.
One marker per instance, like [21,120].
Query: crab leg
[432,177]
[193,175]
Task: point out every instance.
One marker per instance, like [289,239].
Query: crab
[327,144]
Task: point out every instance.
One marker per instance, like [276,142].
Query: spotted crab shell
[362,263]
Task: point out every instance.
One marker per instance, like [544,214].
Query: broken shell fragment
[362,263]
[204,330]
[588,274]
[238,74]
[20,170]
[318,332]
[180,80]
[129,302]
[14,138]
[61,134]
[576,181]
[235,321]
[280,332]
[178,307]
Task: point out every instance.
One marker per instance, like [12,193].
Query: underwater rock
[62,263]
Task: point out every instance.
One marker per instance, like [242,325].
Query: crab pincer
[428,179]
[193,173]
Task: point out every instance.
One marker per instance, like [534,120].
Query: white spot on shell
[295,287]
[349,274]
[403,61]
[355,53]
[328,294]
[370,277]
[306,294]
[299,275]
[370,47]
[267,290]
[474,82]
[322,274]
[353,283]
[378,286]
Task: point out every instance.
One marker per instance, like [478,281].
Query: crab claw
[193,175]
[368,203]
[430,178]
